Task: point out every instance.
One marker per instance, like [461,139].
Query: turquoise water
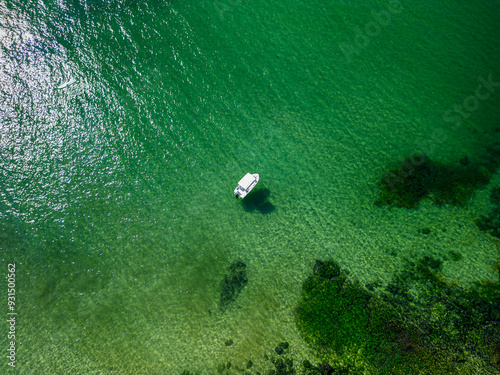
[116,191]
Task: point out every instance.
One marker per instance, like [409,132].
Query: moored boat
[246,184]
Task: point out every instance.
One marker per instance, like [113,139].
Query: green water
[116,192]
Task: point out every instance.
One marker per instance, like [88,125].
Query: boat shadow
[258,201]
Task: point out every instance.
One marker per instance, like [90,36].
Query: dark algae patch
[280,349]
[418,177]
[283,366]
[491,223]
[232,284]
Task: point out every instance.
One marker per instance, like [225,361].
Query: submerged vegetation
[491,222]
[340,316]
[418,324]
[440,329]
[232,284]
[460,325]
[419,177]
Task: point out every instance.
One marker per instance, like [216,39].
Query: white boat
[246,184]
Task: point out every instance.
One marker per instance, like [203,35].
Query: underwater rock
[232,284]
[229,342]
[496,355]
[430,262]
[221,367]
[325,369]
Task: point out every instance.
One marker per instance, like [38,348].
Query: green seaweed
[232,284]
[491,222]
[418,177]
[325,368]
[283,366]
[444,329]
[340,316]
[459,323]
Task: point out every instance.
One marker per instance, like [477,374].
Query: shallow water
[116,191]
